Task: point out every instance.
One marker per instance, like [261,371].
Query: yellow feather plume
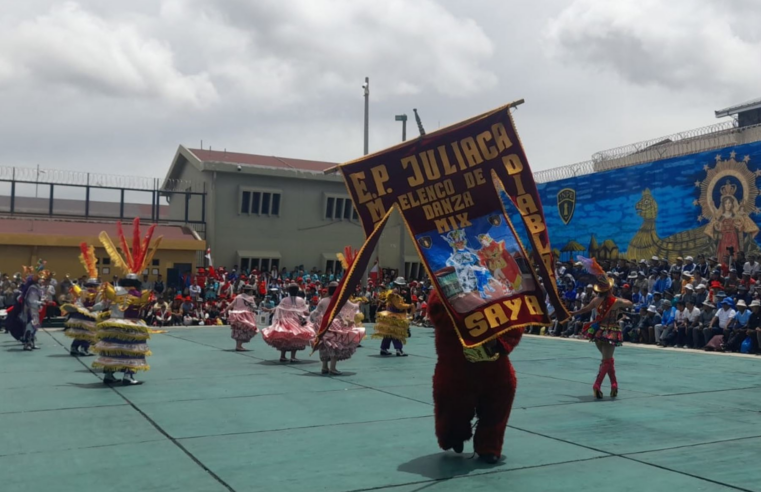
[149,255]
[112,252]
[343,261]
[88,260]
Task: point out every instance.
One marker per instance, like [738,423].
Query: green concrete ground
[209,419]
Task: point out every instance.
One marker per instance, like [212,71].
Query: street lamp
[403,119]
[366,87]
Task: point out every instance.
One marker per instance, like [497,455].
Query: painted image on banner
[478,263]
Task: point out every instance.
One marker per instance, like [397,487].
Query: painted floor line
[304,427]
[161,430]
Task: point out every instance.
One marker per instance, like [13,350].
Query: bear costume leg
[493,412]
[453,412]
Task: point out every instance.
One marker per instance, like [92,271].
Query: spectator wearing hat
[187,305]
[707,313]
[689,265]
[701,266]
[626,292]
[701,294]
[621,268]
[652,277]
[176,309]
[668,315]
[641,281]
[683,319]
[678,266]
[645,329]
[685,279]
[731,283]
[636,297]
[697,278]
[693,313]
[656,299]
[736,331]
[752,266]
[688,294]
[721,321]
[194,291]
[747,281]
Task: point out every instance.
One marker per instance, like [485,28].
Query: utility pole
[402,235]
[366,87]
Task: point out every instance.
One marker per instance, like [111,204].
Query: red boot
[612,376]
[600,377]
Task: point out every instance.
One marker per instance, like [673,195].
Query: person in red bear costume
[464,389]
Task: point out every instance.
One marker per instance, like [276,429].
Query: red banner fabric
[446,186]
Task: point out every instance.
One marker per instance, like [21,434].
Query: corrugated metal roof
[739,108]
[260,160]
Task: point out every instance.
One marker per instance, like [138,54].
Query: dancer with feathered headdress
[24,317]
[122,338]
[604,329]
[86,310]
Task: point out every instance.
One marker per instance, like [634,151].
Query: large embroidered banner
[446,185]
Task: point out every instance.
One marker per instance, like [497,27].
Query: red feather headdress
[137,259]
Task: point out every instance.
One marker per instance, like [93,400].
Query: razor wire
[62,177]
[683,143]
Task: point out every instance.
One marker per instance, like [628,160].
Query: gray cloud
[698,45]
[116,86]
[72,48]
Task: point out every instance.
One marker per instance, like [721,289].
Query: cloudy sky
[116,86]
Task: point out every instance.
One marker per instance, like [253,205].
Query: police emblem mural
[566,204]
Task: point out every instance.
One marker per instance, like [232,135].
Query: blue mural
[700,203]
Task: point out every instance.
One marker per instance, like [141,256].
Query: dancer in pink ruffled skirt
[290,331]
[343,336]
[241,314]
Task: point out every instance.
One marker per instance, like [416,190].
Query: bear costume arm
[508,341]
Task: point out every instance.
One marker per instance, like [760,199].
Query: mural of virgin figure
[730,225]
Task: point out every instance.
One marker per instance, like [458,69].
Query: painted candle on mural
[704,203]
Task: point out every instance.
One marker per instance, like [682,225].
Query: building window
[340,208]
[259,264]
[106,261]
[256,202]
[413,270]
[245,202]
[155,262]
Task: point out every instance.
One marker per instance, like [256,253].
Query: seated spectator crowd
[203,298]
[692,303]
